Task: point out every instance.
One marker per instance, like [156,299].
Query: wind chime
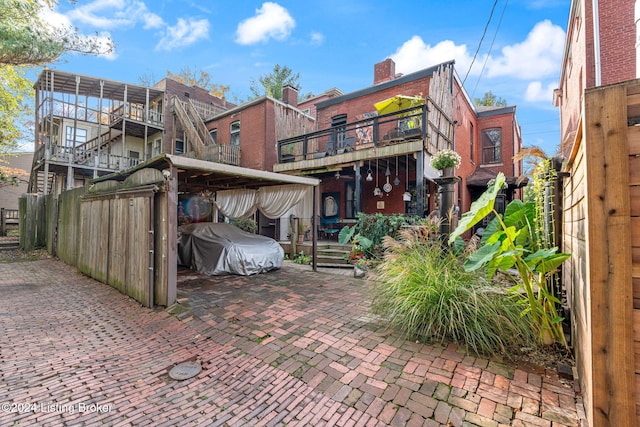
[407,195]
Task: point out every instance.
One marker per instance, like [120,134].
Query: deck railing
[366,133]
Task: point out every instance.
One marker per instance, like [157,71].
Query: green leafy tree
[271,84]
[29,40]
[490,100]
[26,40]
[198,78]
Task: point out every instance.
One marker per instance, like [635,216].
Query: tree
[192,77]
[29,40]
[490,100]
[272,84]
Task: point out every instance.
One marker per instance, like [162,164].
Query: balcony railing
[135,112]
[219,153]
[367,133]
[89,158]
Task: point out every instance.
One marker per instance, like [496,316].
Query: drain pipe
[637,20]
[596,41]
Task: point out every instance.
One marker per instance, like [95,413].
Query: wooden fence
[601,229]
[110,233]
[9,219]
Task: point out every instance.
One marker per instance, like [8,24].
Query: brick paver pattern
[290,347]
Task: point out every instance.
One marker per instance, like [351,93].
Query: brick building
[356,149]
[593,58]
[255,127]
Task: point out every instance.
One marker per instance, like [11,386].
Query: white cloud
[536,93]
[110,14]
[317,38]
[184,33]
[270,21]
[540,55]
[415,55]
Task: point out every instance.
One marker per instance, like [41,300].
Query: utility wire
[480,44]
[486,59]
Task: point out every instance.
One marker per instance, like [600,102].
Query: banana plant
[509,244]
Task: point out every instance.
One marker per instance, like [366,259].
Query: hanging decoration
[387,186]
[377,191]
[407,195]
[396,181]
[369,175]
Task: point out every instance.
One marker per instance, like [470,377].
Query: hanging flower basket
[445,159]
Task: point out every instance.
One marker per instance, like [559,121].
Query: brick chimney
[384,71]
[290,95]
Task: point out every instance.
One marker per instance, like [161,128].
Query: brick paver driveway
[285,348]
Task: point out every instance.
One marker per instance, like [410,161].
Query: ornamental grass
[423,291]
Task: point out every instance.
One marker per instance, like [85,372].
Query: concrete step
[333,265]
[332,259]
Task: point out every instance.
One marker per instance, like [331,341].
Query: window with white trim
[235,134]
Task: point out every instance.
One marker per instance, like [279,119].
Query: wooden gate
[117,244]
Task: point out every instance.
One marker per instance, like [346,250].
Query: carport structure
[129,220]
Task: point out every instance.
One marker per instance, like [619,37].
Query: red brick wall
[253,136]
[466,121]
[384,71]
[364,104]
[617,41]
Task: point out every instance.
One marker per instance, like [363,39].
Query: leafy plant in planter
[445,159]
[509,243]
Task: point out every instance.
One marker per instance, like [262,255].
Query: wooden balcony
[394,134]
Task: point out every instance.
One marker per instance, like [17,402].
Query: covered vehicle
[217,249]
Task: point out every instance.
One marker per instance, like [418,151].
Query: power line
[486,59]
[484,33]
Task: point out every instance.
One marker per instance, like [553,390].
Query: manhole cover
[186,370]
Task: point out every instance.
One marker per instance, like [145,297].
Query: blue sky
[335,43]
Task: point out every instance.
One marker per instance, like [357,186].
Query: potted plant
[360,267]
[446,161]
[302,229]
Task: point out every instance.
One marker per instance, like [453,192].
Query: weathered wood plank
[634,140]
[118,230]
[161,249]
[609,256]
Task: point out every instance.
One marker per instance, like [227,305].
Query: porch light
[369,175]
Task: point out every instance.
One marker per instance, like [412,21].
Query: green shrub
[425,293]
[246,224]
[302,258]
[377,226]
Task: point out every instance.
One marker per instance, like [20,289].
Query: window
[350,200]
[157,147]
[81,136]
[492,145]
[179,147]
[235,134]
[214,136]
[340,122]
